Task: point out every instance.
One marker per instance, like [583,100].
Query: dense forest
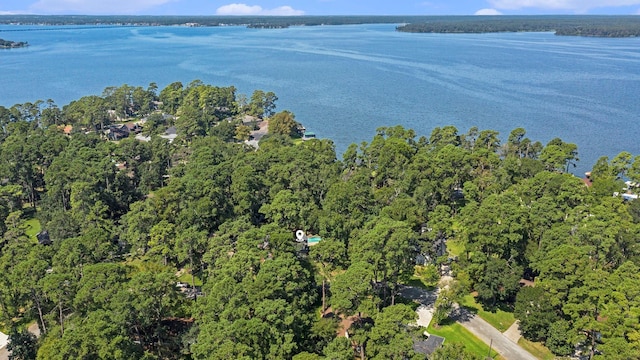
[575,25]
[600,26]
[185,248]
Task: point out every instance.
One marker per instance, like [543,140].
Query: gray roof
[171,131]
[428,346]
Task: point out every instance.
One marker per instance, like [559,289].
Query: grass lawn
[145,264]
[185,277]
[426,277]
[536,349]
[32,227]
[456,333]
[499,319]
[455,247]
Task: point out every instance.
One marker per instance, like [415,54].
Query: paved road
[490,335]
[4,354]
[480,328]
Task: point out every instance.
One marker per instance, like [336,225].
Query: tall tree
[330,254]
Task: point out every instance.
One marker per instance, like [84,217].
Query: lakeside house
[308,135]
[117,132]
[627,193]
[251,121]
[133,127]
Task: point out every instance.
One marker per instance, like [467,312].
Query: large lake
[343,82]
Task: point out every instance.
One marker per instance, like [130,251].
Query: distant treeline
[268,26]
[600,26]
[6,44]
[254,21]
[587,25]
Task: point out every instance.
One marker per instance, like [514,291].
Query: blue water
[343,82]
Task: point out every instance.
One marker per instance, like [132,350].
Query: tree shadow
[462,314]
[419,284]
[493,308]
[409,302]
[446,322]
[470,309]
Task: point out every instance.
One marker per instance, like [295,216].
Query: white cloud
[95,7]
[283,11]
[487,12]
[244,9]
[239,9]
[572,5]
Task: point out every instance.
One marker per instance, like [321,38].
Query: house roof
[132,126]
[247,119]
[171,131]
[428,346]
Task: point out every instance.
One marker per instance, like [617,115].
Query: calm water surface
[343,82]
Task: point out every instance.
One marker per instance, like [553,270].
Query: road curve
[480,328]
[490,335]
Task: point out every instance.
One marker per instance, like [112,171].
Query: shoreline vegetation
[567,25]
[7,44]
[593,26]
[139,222]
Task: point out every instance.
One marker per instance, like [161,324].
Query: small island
[7,44]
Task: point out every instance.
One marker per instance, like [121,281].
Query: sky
[319,7]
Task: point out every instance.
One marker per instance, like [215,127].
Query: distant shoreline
[568,25]
[588,26]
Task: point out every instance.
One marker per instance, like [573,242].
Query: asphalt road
[480,328]
[491,336]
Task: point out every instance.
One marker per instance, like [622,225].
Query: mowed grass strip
[536,349]
[456,333]
[499,319]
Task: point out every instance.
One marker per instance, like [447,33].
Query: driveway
[263,129]
[425,298]
[4,355]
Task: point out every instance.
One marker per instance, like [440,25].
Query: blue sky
[319,7]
